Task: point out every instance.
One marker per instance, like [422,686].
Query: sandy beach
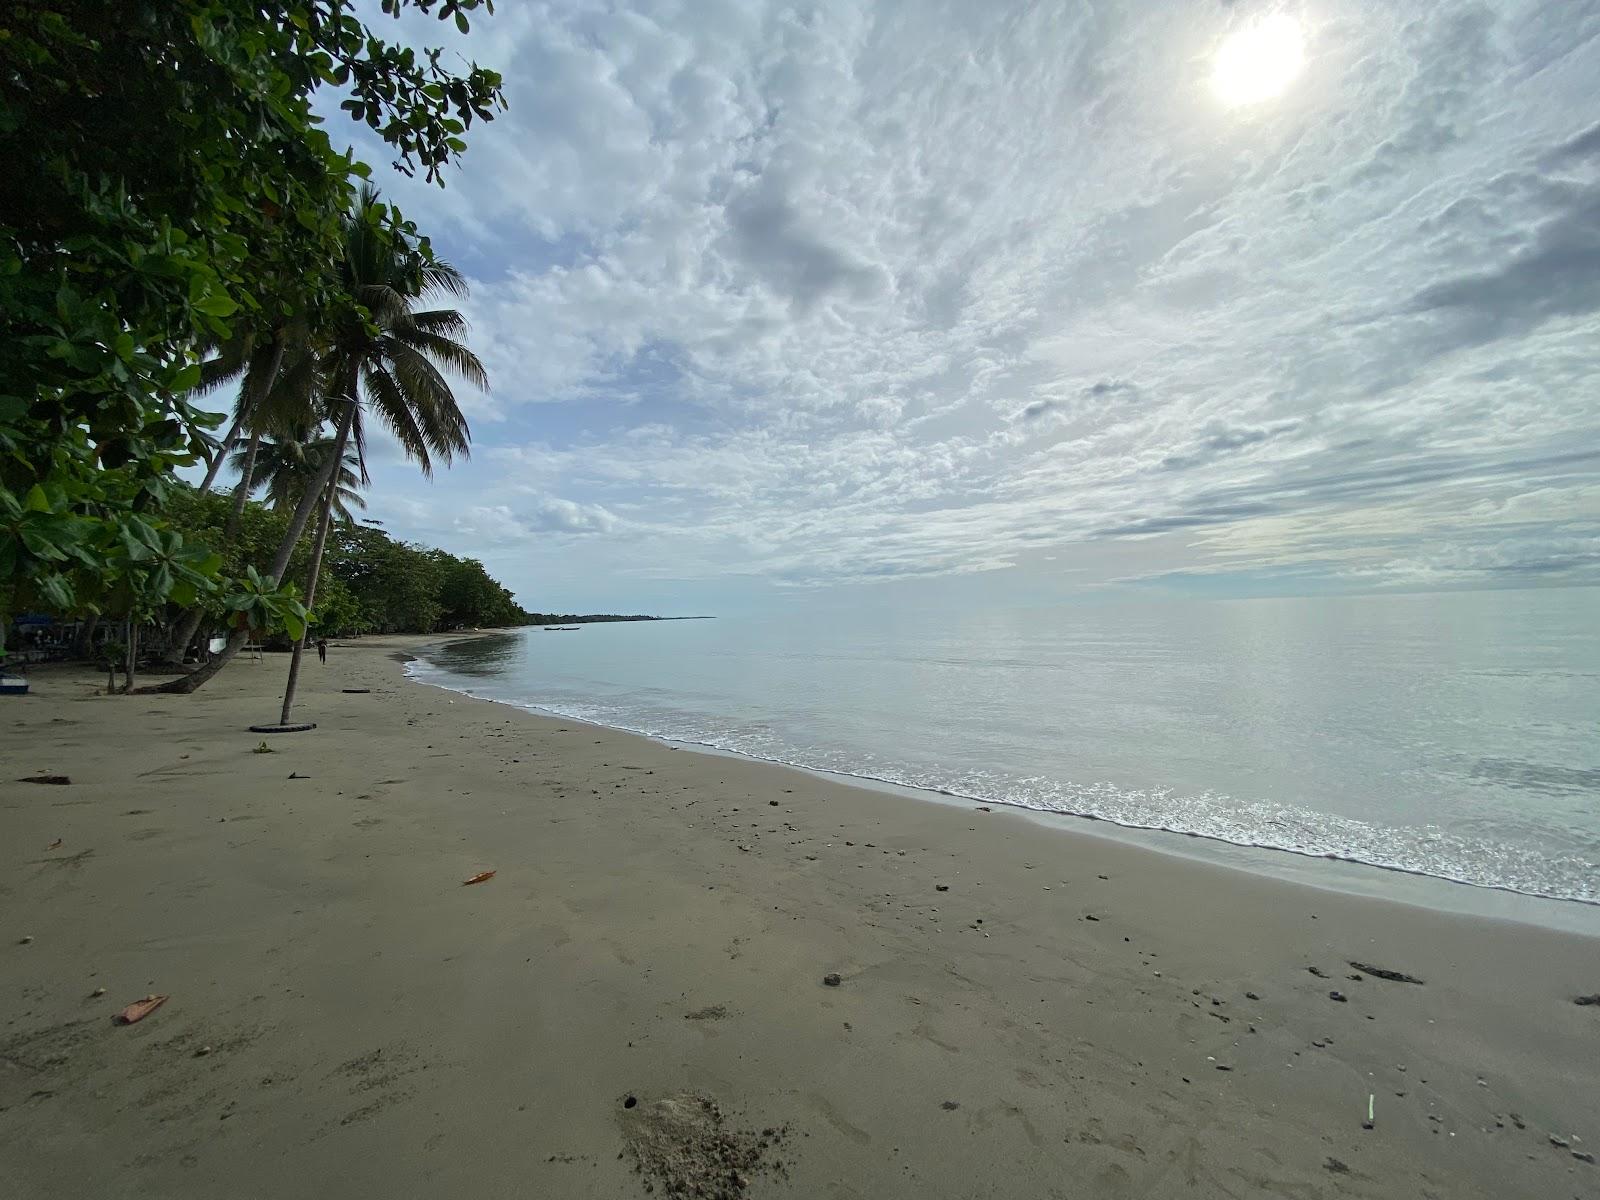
[642,999]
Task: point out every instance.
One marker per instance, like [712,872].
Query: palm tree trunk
[221,456]
[241,492]
[312,573]
[185,684]
[247,410]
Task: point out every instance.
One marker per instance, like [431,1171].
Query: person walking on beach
[322,651]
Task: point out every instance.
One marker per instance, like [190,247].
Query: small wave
[1212,816]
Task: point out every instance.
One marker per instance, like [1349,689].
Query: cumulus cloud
[849,290]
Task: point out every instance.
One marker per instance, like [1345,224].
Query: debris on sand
[480,877]
[1594,999]
[950,1105]
[684,1147]
[1317,972]
[1339,996]
[831,980]
[139,1010]
[1337,1167]
[55,779]
[1380,973]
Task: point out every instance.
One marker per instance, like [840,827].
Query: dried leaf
[480,877]
[139,1010]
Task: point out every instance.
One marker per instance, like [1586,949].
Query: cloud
[545,514]
[846,291]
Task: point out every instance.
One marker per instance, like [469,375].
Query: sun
[1259,62]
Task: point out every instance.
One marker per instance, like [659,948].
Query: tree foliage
[370,582]
[167,185]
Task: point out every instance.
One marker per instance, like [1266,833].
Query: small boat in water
[562,628]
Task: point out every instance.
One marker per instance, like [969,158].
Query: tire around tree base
[283,728]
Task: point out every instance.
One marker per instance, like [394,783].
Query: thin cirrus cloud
[838,292]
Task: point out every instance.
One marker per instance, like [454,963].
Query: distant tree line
[580,618]
[371,582]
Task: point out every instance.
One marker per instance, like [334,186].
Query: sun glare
[1259,62]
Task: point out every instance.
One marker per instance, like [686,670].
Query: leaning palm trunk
[185,684]
[312,574]
[221,456]
[246,485]
[184,634]
[249,404]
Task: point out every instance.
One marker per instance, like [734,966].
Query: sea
[1453,735]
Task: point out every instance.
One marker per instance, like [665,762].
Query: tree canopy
[371,582]
[168,185]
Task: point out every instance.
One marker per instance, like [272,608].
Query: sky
[853,302]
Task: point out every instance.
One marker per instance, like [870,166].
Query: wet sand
[1019,1011]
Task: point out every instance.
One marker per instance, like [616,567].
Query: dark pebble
[1339,996]
[831,980]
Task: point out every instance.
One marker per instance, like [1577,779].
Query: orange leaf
[139,1010]
[480,877]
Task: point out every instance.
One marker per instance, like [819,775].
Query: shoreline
[1011,1010]
[1327,871]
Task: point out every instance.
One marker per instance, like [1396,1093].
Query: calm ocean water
[1455,735]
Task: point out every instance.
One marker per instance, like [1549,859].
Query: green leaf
[37,501]
[462,23]
[218,304]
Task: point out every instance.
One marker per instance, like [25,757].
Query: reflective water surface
[1455,735]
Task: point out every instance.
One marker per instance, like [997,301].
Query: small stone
[950,1105]
[24,941]
[1337,1167]
[773,803]
[1559,1143]
[98,992]
[831,980]
[1583,1156]
[202,1052]
[1339,996]
[941,887]
[1251,996]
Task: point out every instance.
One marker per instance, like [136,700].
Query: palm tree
[277,374]
[286,464]
[379,354]
[385,357]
